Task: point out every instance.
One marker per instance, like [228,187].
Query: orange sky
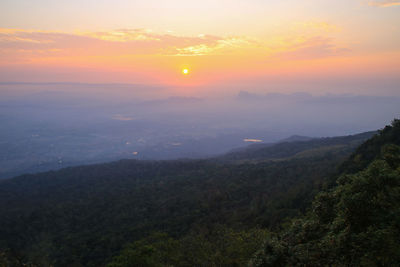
[220,43]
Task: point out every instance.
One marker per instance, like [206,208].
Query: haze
[93,81]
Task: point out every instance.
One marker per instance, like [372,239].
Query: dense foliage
[220,246]
[371,148]
[164,213]
[357,223]
[87,215]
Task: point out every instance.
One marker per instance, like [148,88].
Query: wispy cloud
[124,35]
[119,42]
[24,46]
[384,3]
[311,48]
[218,46]
[312,25]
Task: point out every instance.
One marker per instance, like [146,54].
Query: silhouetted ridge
[294,147]
[370,149]
[296,138]
[356,223]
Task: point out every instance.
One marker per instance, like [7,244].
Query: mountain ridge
[287,147]
[92,215]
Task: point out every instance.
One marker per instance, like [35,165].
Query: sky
[315,46]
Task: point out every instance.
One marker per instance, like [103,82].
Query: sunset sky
[318,46]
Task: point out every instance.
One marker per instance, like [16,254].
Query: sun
[185,71]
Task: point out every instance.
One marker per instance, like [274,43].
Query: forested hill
[305,148]
[162,213]
[356,223]
[371,149]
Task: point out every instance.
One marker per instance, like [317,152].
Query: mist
[47,126]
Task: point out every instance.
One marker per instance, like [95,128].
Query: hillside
[356,223]
[298,147]
[87,216]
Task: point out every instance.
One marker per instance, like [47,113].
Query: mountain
[355,223]
[155,213]
[296,146]
[296,138]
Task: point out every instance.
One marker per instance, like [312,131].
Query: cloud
[384,3]
[307,48]
[119,42]
[125,35]
[123,45]
[320,26]
[220,46]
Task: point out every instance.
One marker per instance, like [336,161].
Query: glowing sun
[185,71]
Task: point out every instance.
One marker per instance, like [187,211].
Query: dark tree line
[215,212]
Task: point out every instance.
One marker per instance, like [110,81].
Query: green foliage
[221,246]
[86,215]
[7,259]
[156,250]
[356,223]
[370,149]
[210,212]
